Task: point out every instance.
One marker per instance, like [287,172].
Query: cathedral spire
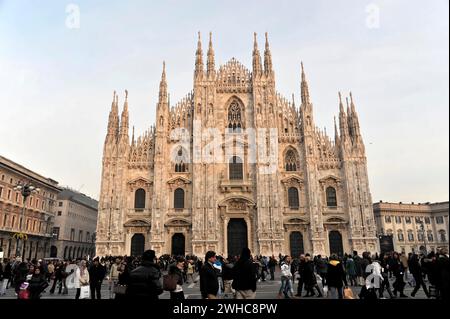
[257,68]
[267,58]
[304,88]
[124,121]
[210,64]
[113,120]
[336,134]
[163,96]
[343,122]
[355,121]
[199,58]
[293,100]
[132,137]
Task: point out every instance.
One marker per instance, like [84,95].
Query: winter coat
[144,282]
[244,275]
[336,274]
[350,267]
[96,273]
[286,270]
[309,278]
[37,286]
[209,285]
[81,280]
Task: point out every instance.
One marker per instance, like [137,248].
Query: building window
[80,235]
[178,200]
[9,194]
[427,220]
[410,235]
[5,219]
[1,192]
[400,236]
[236,168]
[88,235]
[293,198]
[418,220]
[408,220]
[72,234]
[17,197]
[55,233]
[398,219]
[234,118]
[60,204]
[420,236]
[443,236]
[430,236]
[180,161]
[331,197]
[291,161]
[139,199]
[59,213]
[439,220]
[387,219]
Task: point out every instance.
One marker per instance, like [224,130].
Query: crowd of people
[233,277]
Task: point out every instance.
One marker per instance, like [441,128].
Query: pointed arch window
[293,198]
[178,198]
[236,168]
[291,161]
[235,117]
[139,199]
[331,197]
[180,161]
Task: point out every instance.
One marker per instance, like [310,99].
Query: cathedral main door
[178,244]
[137,245]
[296,241]
[237,236]
[335,239]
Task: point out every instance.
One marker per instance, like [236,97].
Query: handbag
[120,289]
[348,293]
[170,282]
[85,292]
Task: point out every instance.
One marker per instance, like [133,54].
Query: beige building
[38,216]
[75,223]
[414,227]
[235,164]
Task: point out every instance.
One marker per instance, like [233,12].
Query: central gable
[234,77]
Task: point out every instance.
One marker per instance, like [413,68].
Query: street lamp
[26,189]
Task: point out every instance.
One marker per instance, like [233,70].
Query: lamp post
[26,189]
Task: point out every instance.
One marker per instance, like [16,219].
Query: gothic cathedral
[235,164]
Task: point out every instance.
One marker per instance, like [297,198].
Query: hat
[148,255]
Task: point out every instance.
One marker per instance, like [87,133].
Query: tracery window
[235,117]
[293,197]
[180,161]
[290,161]
[331,197]
[236,168]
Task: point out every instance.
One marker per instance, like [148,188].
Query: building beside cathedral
[235,164]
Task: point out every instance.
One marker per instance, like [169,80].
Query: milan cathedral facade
[235,164]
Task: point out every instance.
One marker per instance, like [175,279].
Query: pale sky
[56,81]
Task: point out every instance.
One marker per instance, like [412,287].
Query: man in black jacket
[97,273]
[209,284]
[245,276]
[144,281]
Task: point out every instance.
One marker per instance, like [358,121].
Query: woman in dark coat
[309,279]
[398,271]
[38,283]
[176,269]
[124,278]
[416,270]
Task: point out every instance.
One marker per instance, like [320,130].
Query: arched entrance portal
[53,252]
[237,236]
[137,245]
[178,244]
[296,241]
[335,239]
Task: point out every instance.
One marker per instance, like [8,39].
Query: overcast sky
[57,75]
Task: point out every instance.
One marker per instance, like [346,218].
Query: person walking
[398,271]
[81,278]
[190,271]
[350,268]
[113,277]
[286,278]
[310,280]
[404,262]
[96,275]
[245,276]
[442,274]
[272,264]
[416,271]
[301,275]
[336,277]
[176,270]
[37,283]
[228,275]
[209,284]
[145,280]
[384,262]
[321,266]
